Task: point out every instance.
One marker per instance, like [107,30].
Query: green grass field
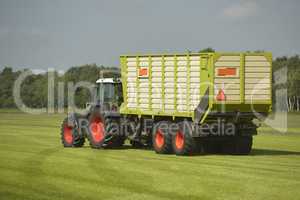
[34,165]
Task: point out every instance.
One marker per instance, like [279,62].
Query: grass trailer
[178,103]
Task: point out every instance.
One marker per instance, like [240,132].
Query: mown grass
[34,165]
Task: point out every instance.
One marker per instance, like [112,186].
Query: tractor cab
[109,93]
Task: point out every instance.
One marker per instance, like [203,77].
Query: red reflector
[143,72]
[228,71]
[221,96]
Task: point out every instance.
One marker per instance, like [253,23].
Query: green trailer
[184,103]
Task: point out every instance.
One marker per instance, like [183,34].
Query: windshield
[109,92]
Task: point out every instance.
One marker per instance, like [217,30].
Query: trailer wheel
[161,138]
[244,145]
[237,145]
[228,145]
[96,134]
[182,141]
[70,136]
[211,146]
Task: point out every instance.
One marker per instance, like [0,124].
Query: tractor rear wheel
[161,138]
[113,137]
[96,134]
[105,133]
[182,141]
[70,136]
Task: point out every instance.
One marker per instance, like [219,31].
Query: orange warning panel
[143,72]
[228,71]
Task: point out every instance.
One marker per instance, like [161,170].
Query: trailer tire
[182,141]
[68,136]
[237,145]
[229,145]
[162,138]
[244,145]
[211,146]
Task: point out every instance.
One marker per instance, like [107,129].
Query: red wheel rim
[97,129]
[159,138]
[179,140]
[68,134]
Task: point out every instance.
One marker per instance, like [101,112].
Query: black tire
[182,141]
[113,137]
[244,145]
[70,136]
[237,145]
[162,138]
[212,146]
[108,129]
[96,131]
[229,145]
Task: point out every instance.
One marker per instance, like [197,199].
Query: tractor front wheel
[70,136]
[113,137]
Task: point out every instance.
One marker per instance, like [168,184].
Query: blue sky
[41,34]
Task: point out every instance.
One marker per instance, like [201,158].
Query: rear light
[221,95]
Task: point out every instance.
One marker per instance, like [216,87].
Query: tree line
[34,89]
[286,77]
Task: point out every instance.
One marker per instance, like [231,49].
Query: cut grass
[34,165]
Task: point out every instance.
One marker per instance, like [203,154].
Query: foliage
[34,89]
[207,50]
[291,67]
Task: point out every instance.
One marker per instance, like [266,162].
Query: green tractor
[100,123]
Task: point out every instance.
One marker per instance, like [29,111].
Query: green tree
[207,50]
[7,78]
